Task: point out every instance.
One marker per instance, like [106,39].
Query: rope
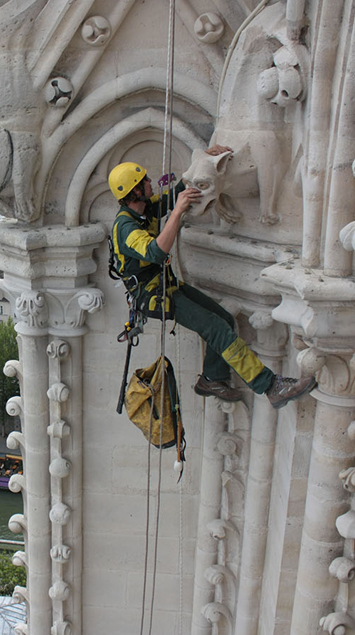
[147,518]
[167,131]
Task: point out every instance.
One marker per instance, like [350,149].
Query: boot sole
[212,394]
[304,392]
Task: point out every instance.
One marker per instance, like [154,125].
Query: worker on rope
[141,251]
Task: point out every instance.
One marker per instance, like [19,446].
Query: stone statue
[264,87]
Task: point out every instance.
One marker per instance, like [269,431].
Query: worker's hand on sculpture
[217,149]
[187,198]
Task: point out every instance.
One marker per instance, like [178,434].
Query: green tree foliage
[10,575]
[8,350]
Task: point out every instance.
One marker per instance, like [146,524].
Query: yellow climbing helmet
[124,177]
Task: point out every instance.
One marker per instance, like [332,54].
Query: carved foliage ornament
[32,308]
[39,309]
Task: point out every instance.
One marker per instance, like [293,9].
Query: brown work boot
[221,389]
[285,389]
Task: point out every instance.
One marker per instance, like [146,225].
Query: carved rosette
[58,92]
[209,28]
[96,30]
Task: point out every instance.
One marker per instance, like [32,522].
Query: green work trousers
[225,350]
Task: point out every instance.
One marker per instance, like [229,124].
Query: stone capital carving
[68,312]
[90,300]
[32,308]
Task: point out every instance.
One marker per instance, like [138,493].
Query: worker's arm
[167,236]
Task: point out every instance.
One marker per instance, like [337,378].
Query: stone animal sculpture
[260,103]
[253,171]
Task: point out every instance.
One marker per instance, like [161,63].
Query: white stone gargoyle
[227,178]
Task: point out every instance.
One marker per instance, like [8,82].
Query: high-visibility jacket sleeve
[134,242]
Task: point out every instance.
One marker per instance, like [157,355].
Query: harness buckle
[131,284]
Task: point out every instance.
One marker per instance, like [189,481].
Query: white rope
[169,94]
[147,518]
[167,135]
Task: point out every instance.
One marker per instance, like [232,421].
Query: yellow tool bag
[144,404]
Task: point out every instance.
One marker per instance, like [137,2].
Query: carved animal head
[206,173]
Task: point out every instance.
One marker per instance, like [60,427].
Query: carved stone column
[321,308]
[35,487]
[46,279]
[332,453]
[210,508]
[271,340]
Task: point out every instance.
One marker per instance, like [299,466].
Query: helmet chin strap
[143,198]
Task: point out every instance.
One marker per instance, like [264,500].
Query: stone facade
[258,537]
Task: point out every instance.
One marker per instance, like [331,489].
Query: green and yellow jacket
[134,240]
